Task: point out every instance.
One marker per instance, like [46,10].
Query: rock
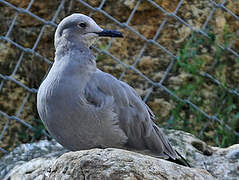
[142,6]
[40,160]
[119,164]
[34,169]
[104,164]
[162,107]
[20,158]
[233,154]
[182,78]
[222,163]
[145,5]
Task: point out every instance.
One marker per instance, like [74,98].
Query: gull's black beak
[110,33]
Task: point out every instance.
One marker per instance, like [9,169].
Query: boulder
[41,161]
[222,163]
[105,164]
[29,156]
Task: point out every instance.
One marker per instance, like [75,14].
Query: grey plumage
[83,107]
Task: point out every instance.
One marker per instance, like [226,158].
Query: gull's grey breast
[71,119]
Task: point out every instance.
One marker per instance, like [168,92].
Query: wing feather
[135,117]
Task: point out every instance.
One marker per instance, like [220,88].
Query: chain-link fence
[164,55]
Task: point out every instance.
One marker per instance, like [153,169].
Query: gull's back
[132,115]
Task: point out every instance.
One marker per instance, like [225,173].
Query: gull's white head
[79,27]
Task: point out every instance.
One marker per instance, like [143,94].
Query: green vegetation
[27,135]
[202,56]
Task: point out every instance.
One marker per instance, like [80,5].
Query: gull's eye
[83,25]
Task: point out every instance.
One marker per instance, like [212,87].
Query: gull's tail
[172,154]
[180,161]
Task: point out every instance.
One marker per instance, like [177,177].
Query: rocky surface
[119,164]
[222,163]
[35,161]
[105,164]
[41,153]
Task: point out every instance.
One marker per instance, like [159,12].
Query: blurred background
[181,56]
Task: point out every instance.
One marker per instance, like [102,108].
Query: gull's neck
[65,45]
[76,54]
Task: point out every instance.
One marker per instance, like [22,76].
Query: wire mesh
[173,57]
